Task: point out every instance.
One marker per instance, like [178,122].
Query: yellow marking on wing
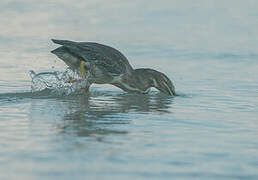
[82,69]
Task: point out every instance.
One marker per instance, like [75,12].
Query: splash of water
[61,83]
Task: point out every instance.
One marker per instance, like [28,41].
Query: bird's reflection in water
[96,114]
[144,103]
[101,114]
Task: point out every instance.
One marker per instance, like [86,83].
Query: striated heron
[101,64]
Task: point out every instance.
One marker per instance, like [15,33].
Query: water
[57,83]
[208,49]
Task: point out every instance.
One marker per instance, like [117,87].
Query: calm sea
[208,48]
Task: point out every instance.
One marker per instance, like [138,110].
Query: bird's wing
[104,57]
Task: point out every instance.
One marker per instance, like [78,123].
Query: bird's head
[163,83]
[158,80]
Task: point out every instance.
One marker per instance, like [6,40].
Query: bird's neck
[140,79]
[137,81]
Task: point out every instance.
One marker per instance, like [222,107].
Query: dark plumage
[102,64]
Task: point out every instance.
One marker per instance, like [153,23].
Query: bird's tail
[64,42]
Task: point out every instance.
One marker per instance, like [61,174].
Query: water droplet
[66,82]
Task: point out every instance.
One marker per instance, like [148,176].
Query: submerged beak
[82,69]
[165,86]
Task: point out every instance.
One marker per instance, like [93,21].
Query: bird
[101,64]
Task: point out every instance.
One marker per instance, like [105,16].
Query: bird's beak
[82,69]
[165,86]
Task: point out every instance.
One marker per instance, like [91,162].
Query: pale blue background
[208,48]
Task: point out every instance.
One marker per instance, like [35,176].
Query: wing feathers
[104,57]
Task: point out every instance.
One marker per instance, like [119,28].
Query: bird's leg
[87,82]
[85,76]
[87,88]
[82,73]
[82,69]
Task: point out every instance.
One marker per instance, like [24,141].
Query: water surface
[207,48]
